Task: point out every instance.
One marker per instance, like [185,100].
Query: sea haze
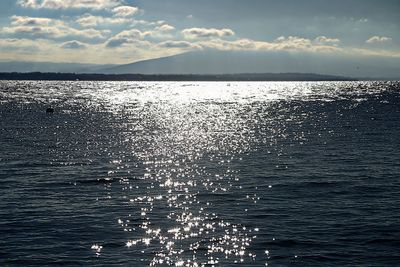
[199,173]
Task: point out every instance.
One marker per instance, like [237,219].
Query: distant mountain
[212,62]
[20,66]
[171,77]
[219,62]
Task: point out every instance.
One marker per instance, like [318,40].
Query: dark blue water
[200,174]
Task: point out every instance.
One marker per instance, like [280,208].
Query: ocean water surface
[199,174]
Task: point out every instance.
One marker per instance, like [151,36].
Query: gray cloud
[125,37]
[30,21]
[194,33]
[179,44]
[73,45]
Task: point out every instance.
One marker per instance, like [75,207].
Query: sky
[126,31]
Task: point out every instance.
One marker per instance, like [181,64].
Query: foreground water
[200,174]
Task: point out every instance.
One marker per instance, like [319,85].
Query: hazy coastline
[51,76]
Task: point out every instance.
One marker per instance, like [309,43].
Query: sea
[199,173]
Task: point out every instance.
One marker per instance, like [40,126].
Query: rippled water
[200,174]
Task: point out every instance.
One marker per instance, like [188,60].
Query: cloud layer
[65,4]
[121,33]
[46,27]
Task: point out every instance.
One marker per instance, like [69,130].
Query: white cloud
[125,11]
[133,33]
[197,33]
[65,4]
[292,43]
[54,32]
[378,39]
[147,23]
[162,32]
[326,40]
[241,44]
[28,3]
[154,35]
[46,27]
[165,28]
[88,20]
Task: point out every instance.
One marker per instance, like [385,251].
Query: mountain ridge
[176,77]
[214,62]
[234,62]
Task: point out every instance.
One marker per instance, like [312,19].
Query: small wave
[107,180]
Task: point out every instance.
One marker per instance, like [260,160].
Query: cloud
[147,23]
[46,27]
[134,35]
[30,21]
[124,37]
[66,4]
[88,20]
[28,3]
[236,45]
[198,33]
[378,39]
[165,28]
[290,43]
[54,32]
[161,32]
[140,49]
[125,11]
[326,40]
[179,44]
[73,45]
[45,50]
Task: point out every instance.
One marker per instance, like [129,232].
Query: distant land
[220,62]
[172,77]
[212,64]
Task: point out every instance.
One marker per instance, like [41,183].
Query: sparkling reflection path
[188,178]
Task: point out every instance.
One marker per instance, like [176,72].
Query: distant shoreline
[50,76]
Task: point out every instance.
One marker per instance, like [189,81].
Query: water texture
[200,174]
